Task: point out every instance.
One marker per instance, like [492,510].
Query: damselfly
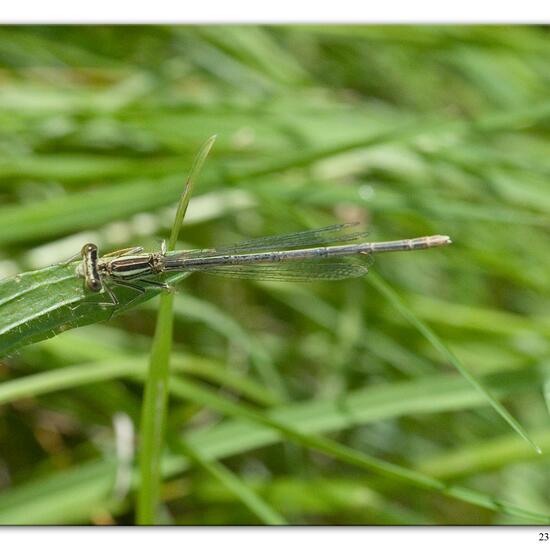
[303,256]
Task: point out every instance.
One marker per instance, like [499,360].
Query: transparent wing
[298,271]
[312,237]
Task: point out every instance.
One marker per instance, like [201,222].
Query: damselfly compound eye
[89,269]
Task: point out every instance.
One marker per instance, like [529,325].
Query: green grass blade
[155,400]
[228,479]
[483,456]
[393,298]
[59,379]
[153,416]
[440,393]
[546,390]
[183,203]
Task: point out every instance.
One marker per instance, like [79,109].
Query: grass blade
[237,487]
[155,398]
[183,203]
[392,297]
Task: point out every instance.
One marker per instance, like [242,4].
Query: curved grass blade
[392,297]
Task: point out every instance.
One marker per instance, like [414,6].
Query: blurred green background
[409,130]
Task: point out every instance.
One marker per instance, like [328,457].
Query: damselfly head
[88,268]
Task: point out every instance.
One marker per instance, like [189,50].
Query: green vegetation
[327,403]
